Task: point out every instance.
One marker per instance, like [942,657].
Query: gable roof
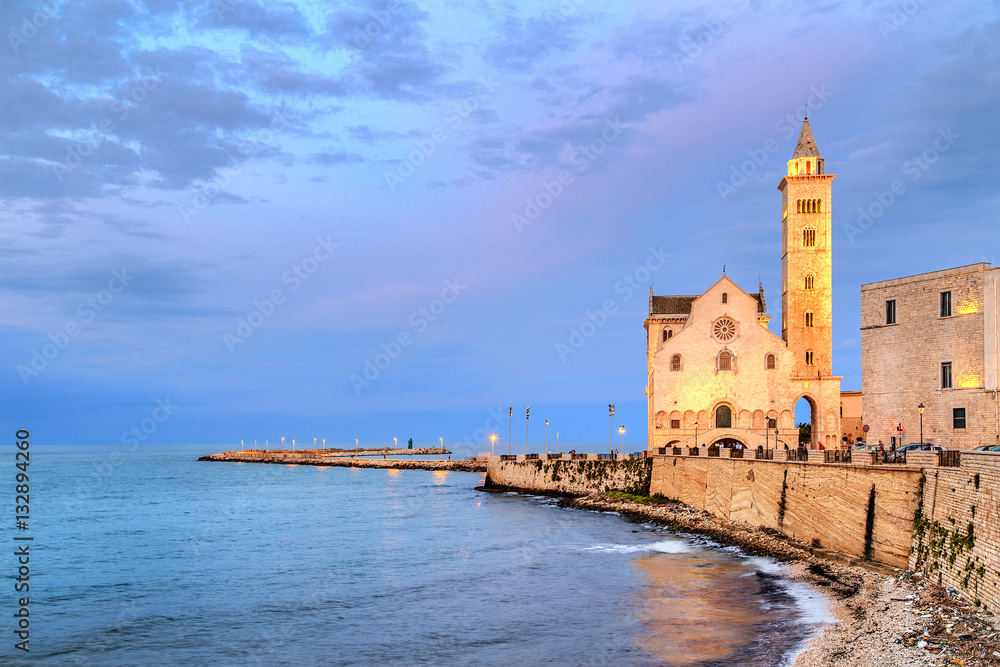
[681,305]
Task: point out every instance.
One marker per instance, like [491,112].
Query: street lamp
[621,438]
[241,445]
[282,442]
[493,441]
[395,446]
[293,444]
[775,437]
[920,409]
[442,448]
[557,442]
[510,429]
[696,435]
[546,436]
[527,418]
[611,433]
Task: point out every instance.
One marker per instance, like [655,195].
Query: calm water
[152,558]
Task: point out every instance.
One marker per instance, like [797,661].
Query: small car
[864,447]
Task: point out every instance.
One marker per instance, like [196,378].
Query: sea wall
[956,537]
[556,475]
[340,462]
[864,511]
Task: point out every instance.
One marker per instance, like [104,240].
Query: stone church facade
[717,374]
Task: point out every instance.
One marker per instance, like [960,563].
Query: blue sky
[242,220]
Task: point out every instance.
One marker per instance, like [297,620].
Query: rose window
[725,329]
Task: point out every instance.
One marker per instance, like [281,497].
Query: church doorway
[723,417]
[806,421]
[727,442]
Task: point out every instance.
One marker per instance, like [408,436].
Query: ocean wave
[661,546]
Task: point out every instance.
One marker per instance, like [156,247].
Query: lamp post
[920,409]
[510,429]
[282,442]
[775,437]
[293,445]
[493,441]
[324,444]
[696,434]
[611,434]
[527,418]
[241,445]
[356,448]
[546,437]
[621,438]
[557,442]
[442,448]
[395,445]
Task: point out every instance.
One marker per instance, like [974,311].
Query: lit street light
[527,419]
[493,441]
[510,429]
[546,436]
[920,409]
[621,439]
[442,448]
[696,435]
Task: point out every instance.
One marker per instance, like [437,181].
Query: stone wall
[571,477]
[824,503]
[956,539]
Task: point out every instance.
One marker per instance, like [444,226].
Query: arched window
[809,237]
[810,281]
[809,357]
[725,298]
[723,417]
[798,206]
[675,362]
[667,333]
[725,361]
[769,362]
[809,318]
[809,166]
[819,205]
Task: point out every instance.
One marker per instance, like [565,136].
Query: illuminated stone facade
[851,417]
[932,339]
[715,371]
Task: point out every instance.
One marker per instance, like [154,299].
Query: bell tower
[807,260]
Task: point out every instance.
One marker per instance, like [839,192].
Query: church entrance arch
[728,442]
[807,421]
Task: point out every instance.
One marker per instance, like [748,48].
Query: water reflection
[713,608]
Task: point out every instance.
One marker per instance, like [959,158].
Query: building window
[725,361]
[725,298]
[769,362]
[809,318]
[809,357]
[723,417]
[890,311]
[675,362]
[945,304]
[667,333]
[958,417]
[809,237]
[810,281]
[946,375]
[675,423]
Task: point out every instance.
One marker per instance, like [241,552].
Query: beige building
[851,417]
[717,374]
[932,339]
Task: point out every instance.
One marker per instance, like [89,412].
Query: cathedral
[717,375]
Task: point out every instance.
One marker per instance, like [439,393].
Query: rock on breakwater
[340,462]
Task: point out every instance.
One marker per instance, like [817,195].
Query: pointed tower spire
[807,145]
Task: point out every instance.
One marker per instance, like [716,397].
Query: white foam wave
[661,546]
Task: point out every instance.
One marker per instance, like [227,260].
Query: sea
[146,556]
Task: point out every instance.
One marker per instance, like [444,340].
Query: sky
[241,220]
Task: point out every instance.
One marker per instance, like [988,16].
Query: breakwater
[287,458]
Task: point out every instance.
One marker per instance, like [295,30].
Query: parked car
[987,448]
[864,447]
[923,447]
